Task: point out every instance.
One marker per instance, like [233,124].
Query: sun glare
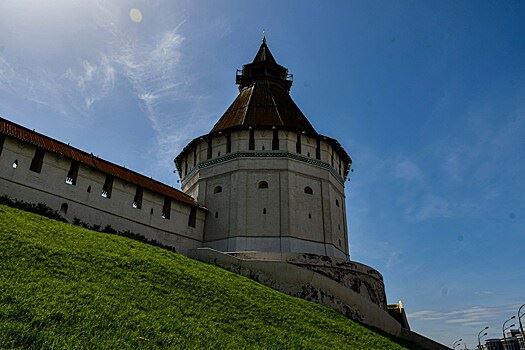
[135,15]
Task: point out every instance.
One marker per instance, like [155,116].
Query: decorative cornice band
[258,154]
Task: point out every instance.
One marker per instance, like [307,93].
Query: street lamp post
[504,336]
[479,336]
[456,343]
[521,325]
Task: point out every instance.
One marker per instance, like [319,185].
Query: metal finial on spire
[264,37]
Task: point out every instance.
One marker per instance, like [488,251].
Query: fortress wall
[281,217]
[85,202]
[306,277]
[307,284]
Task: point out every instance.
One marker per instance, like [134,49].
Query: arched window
[89,189]
[337,202]
[308,190]
[217,189]
[63,208]
[264,210]
[263,184]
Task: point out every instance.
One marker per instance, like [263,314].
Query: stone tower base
[351,288]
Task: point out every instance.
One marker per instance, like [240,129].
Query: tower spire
[264,37]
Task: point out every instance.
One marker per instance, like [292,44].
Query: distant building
[512,342]
[493,344]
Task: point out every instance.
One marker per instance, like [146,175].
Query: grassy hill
[66,287]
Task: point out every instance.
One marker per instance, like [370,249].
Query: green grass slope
[65,287]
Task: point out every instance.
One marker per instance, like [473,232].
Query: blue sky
[427,97]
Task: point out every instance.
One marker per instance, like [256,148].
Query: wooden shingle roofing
[264,104]
[24,134]
[264,99]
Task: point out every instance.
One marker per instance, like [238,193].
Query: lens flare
[135,15]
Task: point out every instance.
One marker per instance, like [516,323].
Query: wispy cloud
[473,316]
[149,60]
[94,80]
[160,83]
[408,170]
[429,206]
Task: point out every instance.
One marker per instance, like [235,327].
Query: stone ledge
[305,283]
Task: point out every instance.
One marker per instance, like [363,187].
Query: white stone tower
[271,183]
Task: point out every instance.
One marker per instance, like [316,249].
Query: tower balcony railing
[239,76]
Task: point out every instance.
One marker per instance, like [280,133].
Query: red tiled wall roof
[23,134]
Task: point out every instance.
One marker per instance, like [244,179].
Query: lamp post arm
[519,319]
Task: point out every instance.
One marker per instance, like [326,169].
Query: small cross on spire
[264,37]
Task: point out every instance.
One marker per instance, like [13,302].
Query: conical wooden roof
[264,98]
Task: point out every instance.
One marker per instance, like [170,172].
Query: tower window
[217,189]
[137,200]
[151,211]
[216,214]
[209,150]
[318,149]
[89,189]
[309,215]
[192,219]
[185,166]
[308,190]
[251,142]
[194,156]
[72,174]
[228,143]
[262,184]
[264,210]
[337,203]
[15,164]
[339,241]
[298,144]
[332,158]
[275,140]
[166,208]
[108,187]
[63,208]
[38,160]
